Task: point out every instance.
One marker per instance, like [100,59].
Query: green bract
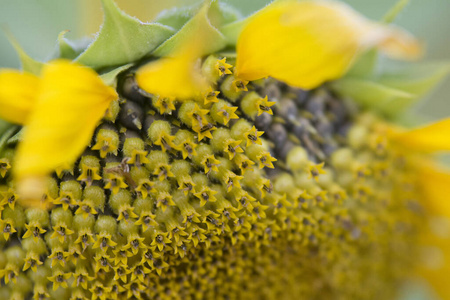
[120,39]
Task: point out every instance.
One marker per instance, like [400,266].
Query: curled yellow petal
[71,102]
[434,184]
[179,74]
[177,77]
[434,187]
[18,94]
[434,263]
[429,138]
[309,42]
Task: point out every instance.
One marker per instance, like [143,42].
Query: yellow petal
[430,138]
[434,264]
[177,77]
[71,102]
[31,190]
[309,42]
[18,94]
[434,184]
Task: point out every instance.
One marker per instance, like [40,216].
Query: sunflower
[208,156]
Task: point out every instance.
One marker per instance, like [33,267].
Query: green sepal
[177,16]
[71,49]
[6,135]
[392,14]
[373,95]
[365,65]
[122,39]
[417,79]
[4,126]
[16,138]
[65,49]
[247,8]
[28,64]
[395,90]
[222,13]
[110,78]
[212,39]
[233,30]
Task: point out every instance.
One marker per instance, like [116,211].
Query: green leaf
[370,94]
[110,77]
[122,39]
[211,38]
[28,63]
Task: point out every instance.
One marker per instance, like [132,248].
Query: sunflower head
[210,156]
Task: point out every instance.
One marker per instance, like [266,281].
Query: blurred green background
[36,24]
